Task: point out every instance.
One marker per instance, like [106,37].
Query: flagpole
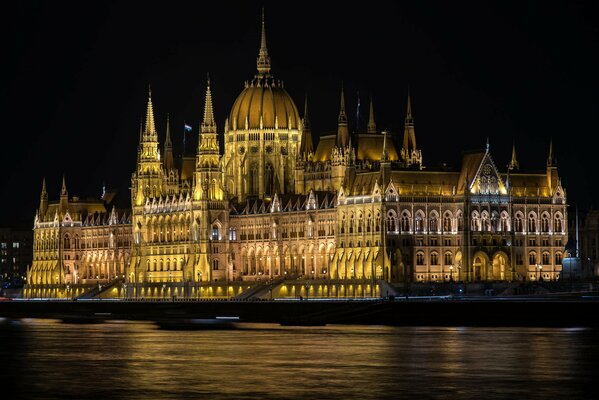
[184,130]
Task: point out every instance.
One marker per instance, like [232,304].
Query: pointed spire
[487,145]
[385,155]
[342,129]
[167,141]
[371,124]
[208,124]
[551,162]
[150,125]
[409,135]
[307,124]
[63,189]
[342,116]
[263,61]
[306,146]
[168,147]
[44,191]
[514,161]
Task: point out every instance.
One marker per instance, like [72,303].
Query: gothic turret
[263,61]
[306,146]
[514,165]
[168,148]
[409,152]
[371,124]
[43,199]
[342,129]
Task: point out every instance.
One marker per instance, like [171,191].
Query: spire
[385,155]
[371,124]
[551,162]
[487,145]
[514,161]
[168,147]
[307,124]
[44,191]
[342,129]
[263,61]
[208,124]
[150,125]
[409,136]
[63,189]
[306,146]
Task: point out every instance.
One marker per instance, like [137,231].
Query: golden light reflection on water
[139,361]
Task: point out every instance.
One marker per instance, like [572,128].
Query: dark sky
[74,81]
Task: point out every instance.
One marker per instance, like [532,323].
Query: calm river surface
[50,359]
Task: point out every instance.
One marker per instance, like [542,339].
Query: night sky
[75,80]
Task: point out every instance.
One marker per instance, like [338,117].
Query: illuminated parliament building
[274,205]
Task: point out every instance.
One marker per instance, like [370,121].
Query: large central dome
[266,99]
[264,103]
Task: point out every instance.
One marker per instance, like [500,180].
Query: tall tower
[64,196]
[409,152]
[168,148]
[343,155]
[43,200]
[210,207]
[262,135]
[148,178]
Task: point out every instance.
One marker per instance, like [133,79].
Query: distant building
[15,255]
[588,241]
[357,206]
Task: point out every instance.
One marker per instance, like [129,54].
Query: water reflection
[50,359]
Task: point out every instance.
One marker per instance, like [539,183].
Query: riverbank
[565,311]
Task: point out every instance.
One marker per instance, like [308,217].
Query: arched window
[434,222]
[475,222]
[460,221]
[557,227]
[434,259]
[558,258]
[505,222]
[545,258]
[532,224]
[447,222]
[215,234]
[532,258]
[369,223]
[351,224]
[419,222]
[215,265]
[391,222]
[67,242]
[148,266]
[448,259]
[518,226]
[485,222]
[405,222]
[545,223]
[419,258]
[360,223]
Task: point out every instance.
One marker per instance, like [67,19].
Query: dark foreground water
[49,359]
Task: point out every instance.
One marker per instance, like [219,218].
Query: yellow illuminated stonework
[358,209]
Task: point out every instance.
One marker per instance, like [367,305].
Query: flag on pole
[187,128]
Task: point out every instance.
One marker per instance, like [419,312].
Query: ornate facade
[273,206]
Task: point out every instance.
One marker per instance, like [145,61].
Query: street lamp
[68,291]
[124,291]
[199,283]
[164,291]
[540,272]
[451,273]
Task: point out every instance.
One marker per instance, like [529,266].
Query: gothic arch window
[351,224]
[369,223]
[391,221]
[268,178]
[495,226]
[447,222]
[215,265]
[485,222]
[505,227]
[434,222]
[532,258]
[460,220]
[67,242]
[545,223]
[148,265]
[558,224]
[405,221]
[360,223]
[434,259]
[558,258]
[532,223]
[545,258]
[518,226]
[475,221]
[419,223]
[419,258]
[448,260]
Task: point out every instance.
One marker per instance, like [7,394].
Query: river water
[132,360]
